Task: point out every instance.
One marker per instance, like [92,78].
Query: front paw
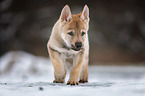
[73,83]
[58,81]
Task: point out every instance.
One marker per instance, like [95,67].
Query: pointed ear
[85,13]
[66,14]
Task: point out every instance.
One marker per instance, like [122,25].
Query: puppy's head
[74,27]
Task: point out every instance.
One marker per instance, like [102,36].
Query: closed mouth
[76,49]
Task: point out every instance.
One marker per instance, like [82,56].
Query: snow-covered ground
[22,74]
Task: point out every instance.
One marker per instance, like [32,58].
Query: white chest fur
[70,53]
[67,53]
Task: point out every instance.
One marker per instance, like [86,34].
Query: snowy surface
[22,74]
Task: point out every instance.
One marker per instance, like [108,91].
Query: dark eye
[71,33]
[83,33]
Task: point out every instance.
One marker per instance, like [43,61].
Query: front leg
[60,69]
[84,70]
[76,68]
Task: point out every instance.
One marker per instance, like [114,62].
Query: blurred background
[116,34]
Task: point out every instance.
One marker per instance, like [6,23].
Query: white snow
[23,74]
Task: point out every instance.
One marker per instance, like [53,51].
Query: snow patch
[23,74]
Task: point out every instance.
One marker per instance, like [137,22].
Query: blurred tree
[117,28]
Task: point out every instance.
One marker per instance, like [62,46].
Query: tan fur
[60,46]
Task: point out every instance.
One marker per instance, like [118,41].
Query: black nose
[78,45]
